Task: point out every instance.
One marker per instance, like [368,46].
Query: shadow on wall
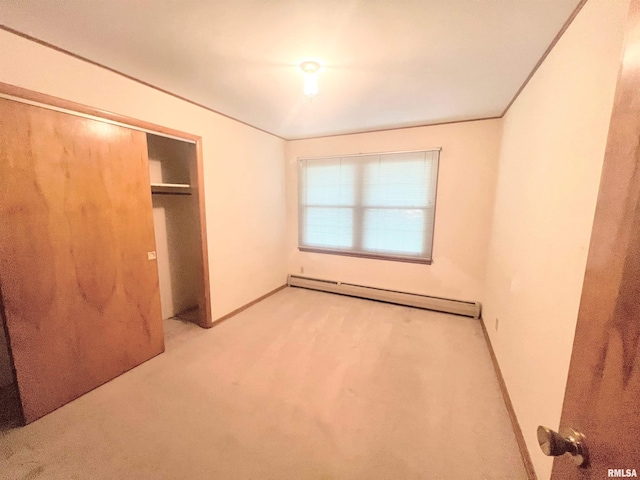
[6,374]
[10,416]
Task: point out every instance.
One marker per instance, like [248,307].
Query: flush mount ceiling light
[310,71]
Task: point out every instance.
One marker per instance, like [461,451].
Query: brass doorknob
[568,441]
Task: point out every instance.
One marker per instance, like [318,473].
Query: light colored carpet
[304,385]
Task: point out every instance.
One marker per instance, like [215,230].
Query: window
[379,206]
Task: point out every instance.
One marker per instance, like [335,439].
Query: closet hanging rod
[171,189]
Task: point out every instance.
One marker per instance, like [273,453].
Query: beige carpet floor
[303,385]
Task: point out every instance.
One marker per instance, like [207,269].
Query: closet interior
[176,217]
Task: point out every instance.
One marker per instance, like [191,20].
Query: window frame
[359,209]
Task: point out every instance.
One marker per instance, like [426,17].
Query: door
[602,399]
[79,295]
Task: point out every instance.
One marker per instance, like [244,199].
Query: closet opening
[178,230]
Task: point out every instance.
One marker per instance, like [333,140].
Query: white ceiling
[386,63]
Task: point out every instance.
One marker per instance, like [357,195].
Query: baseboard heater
[446,305]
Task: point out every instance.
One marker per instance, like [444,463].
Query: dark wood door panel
[81,300]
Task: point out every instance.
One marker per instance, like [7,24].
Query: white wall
[243,167]
[551,157]
[466,182]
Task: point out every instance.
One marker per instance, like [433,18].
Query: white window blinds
[381,206]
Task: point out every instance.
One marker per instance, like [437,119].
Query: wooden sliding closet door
[80,298]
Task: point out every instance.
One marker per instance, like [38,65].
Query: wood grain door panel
[80,298]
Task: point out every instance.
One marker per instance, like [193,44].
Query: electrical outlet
[151,255]
[497,321]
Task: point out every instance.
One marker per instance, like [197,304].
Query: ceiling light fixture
[310,71]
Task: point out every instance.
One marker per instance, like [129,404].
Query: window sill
[372,256]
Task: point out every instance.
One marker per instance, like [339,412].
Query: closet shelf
[171,188]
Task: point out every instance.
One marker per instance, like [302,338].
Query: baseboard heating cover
[458,307]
